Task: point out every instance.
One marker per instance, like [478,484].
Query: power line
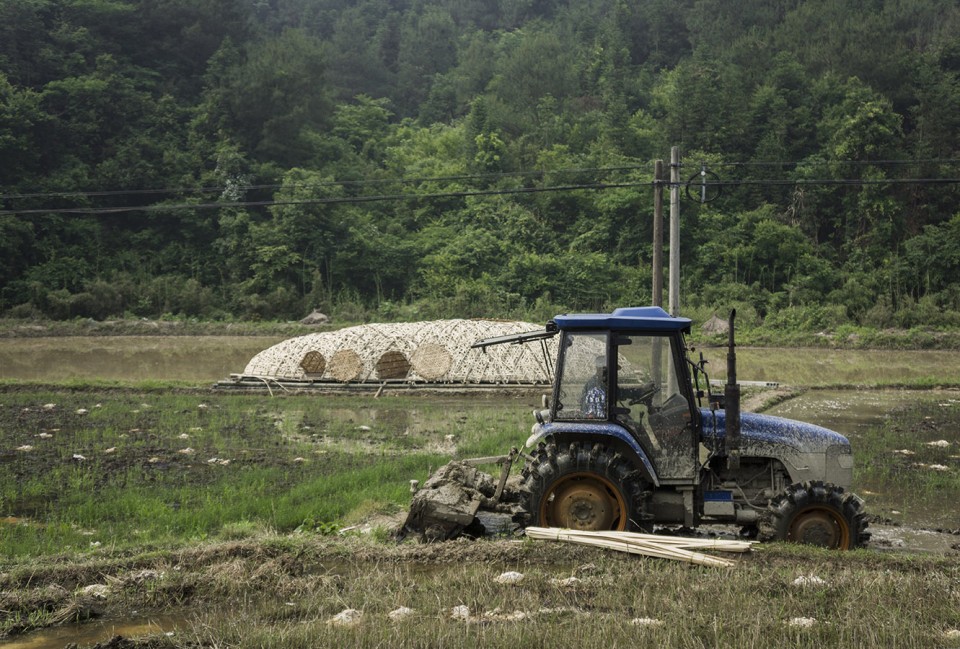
[488,176]
[326,183]
[832,163]
[321,201]
[596,186]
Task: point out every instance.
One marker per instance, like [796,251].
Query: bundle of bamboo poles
[651,545]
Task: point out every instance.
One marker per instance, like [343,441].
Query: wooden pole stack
[651,545]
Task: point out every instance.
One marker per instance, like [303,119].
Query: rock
[802,622]
[401,613]
[448,501]
[715,325]
[569,582]
[511,577]
[808,580]
[316,318]
[347,617]
[96,591]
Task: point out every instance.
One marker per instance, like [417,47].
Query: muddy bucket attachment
[446,505]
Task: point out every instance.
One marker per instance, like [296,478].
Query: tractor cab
[624,374]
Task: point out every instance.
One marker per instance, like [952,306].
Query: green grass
[161,467]
[220,537]
[902,468]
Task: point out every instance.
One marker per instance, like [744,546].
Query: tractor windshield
[636,379]
[652,401]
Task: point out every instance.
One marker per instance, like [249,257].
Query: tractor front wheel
[818,513]
[583,486]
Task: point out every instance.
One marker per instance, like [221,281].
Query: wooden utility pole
[674,231]
[657,233]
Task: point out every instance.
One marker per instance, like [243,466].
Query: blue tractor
[633,438]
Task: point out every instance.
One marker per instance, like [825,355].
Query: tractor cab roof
[647,318]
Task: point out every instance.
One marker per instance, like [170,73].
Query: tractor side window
[582,391]
[650,399]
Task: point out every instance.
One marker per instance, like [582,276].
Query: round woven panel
[393,365]
[313,363]
[431,361]
[345,365]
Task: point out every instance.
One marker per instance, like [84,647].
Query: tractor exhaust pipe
[731,399]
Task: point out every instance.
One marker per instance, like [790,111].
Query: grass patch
[252,521]
[303,582]
[87,468]
[909,467]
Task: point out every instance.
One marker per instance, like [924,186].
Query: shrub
[807,318]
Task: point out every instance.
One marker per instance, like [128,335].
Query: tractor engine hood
[806,450]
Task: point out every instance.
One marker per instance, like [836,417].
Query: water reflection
[128,358]
[213,358]
[851,412]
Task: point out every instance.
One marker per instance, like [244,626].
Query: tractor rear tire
[583,486]
[818,513]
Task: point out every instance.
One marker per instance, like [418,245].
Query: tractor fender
[592,431]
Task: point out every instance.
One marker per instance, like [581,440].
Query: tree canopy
[456,158]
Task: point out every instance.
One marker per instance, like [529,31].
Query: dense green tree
[276,97]
[21,119]
[244,158]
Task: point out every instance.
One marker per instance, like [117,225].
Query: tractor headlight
[841,454]
[839,465]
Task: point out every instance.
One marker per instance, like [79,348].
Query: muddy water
[90,633]
[852,412]
[211,358]
[129,358]
[826,367]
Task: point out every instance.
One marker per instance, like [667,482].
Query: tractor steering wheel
[641,394]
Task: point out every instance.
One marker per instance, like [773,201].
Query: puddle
[851,412]
[886,537]
[128,358]
[90,633]
[842,367]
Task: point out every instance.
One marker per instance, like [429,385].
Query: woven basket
[313,364]
[345,366]
[431,361]
[393,365]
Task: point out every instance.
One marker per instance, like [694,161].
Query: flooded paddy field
[137,505]
[212,358]
[128,358]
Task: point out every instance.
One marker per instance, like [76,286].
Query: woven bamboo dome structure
[417,352]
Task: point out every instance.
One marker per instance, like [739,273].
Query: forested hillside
[401,159]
